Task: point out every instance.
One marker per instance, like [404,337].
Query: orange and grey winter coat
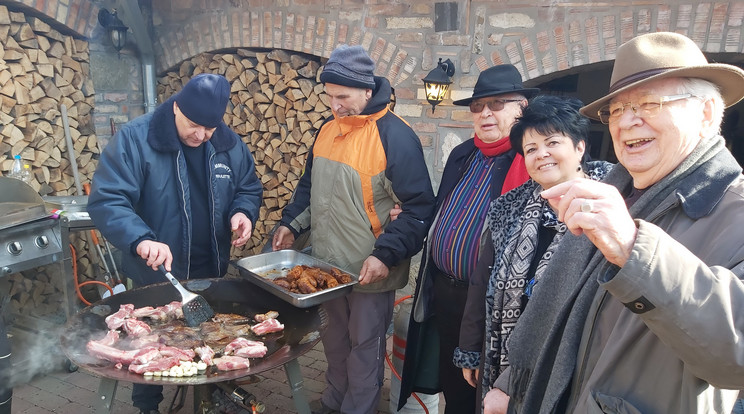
[357,170]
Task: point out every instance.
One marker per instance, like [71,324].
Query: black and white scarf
[514,220]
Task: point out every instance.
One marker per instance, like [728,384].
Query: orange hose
[78,285]
[392,368]
[397,302]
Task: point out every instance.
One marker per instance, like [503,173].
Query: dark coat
[140,191]
[420,367]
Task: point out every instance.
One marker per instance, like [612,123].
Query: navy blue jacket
[140,191]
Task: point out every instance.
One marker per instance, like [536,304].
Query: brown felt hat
[666,55]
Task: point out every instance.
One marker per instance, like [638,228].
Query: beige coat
[687,327]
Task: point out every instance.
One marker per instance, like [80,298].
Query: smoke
[35,350]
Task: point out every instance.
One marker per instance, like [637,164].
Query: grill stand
[107,391]
[294,376]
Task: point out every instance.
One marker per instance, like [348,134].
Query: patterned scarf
[514,221]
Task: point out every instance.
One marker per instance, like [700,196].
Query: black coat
[420,367]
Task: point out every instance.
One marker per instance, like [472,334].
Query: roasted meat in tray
[297,278]
[307,279]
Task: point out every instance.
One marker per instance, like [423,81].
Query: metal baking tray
[263,268]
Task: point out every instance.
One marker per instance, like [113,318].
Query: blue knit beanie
[204,98]
[349,66]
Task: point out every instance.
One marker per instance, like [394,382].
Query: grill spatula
[195,308]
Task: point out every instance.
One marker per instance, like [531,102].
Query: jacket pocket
[600,403]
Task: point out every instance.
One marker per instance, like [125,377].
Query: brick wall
[79,16]
[544,40]
[550,38]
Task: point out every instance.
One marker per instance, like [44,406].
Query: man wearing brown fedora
[641,309]
[477,171]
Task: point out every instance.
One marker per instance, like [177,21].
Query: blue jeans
[738,407]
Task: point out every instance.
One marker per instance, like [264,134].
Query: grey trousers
[354,344]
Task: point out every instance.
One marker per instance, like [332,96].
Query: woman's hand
[471,376]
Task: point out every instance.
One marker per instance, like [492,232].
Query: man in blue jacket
[172,188]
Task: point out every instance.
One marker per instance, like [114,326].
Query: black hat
[204,98]
[498,80]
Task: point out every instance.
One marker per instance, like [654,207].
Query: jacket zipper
[213,213]
[185,214]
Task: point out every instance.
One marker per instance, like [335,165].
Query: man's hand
[598,211]
[242,227]
[373,270]
[155,253]
[471,376]
[283,238]
[495,402]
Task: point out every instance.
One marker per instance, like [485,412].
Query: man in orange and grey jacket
[364,161]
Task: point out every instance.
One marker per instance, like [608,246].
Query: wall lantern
[437,82]
[115,27]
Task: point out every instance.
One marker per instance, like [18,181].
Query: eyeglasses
[494,105]
[646,107]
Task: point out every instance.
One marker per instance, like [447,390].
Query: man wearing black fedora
[477,171]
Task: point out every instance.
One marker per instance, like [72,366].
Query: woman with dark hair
[551,135]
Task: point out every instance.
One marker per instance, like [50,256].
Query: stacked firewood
[38,294]
[40,70]
[276,106]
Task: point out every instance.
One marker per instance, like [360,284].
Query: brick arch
[714,27]
[80,16]
[310,34]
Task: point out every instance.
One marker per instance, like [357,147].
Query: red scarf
[517,174]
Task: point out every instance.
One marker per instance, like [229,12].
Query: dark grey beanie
[204,98]
[349,66]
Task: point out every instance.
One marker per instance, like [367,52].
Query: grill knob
[41,241]
[15,248]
